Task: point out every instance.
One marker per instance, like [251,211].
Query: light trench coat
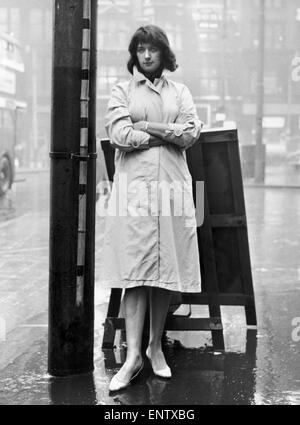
[150,236]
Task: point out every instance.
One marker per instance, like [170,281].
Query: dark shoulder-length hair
[157,37]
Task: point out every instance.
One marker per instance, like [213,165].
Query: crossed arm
[180,135]
[157,132]
[128,136]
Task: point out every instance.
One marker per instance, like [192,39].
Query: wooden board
[222,177]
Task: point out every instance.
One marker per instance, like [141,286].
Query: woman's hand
[140,125]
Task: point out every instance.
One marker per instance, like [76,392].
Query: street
[258,367]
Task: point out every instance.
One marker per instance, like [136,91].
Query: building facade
[282,94]
[30,22]
[216,44]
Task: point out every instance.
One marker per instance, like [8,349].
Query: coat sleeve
[187,127]
[119,126]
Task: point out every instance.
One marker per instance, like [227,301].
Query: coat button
[135,143]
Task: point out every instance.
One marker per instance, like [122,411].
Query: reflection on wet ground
[29,194]
[200,377]
[76,390]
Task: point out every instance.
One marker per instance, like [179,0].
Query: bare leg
[159,305]
[135,302]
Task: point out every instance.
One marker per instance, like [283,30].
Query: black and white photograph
[150,205]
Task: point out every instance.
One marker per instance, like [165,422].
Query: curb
[32,171]
[245,183]
[269,185]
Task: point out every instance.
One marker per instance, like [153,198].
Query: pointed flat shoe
[162,373]
[116,384]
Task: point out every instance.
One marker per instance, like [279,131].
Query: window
[271,85]
[7,121]
[108,76]
[274,122]
[275,36]
[36,25]
[273,4]
[174,34]
[3,19]
[209,87]
[113,35]
[15,22]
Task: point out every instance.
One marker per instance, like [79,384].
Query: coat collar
[139,76]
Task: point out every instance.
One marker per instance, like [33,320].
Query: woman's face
[149,57]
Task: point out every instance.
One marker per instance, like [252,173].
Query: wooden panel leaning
[222,239]
[227,213]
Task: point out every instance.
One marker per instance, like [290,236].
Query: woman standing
[150,246]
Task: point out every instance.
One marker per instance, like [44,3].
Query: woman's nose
[147,53]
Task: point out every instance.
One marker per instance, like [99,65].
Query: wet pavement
[258,366]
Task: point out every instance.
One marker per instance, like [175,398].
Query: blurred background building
[30,22]
[216,45]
